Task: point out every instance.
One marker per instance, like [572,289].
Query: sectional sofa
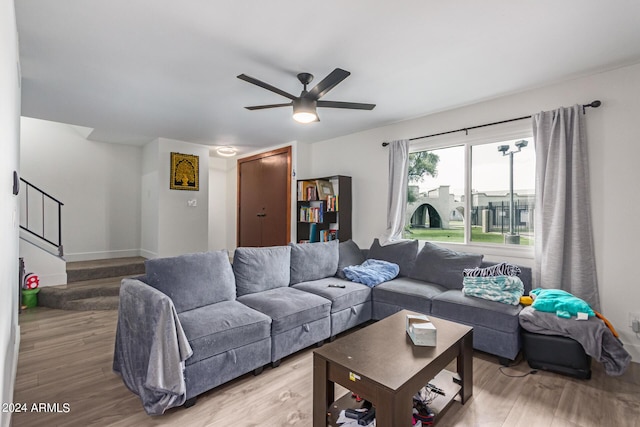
[196,321]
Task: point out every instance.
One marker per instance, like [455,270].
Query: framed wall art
[184,172]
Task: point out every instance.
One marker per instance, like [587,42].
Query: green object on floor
[30,297]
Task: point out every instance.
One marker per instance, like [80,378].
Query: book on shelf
[328,235]
[307,191]
[319,189]
[311,213]
[332,203]
[313,233]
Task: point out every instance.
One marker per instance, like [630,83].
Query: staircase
[91,285]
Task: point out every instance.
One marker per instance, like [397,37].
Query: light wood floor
[65,357]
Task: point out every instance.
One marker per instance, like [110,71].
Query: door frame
[275,152]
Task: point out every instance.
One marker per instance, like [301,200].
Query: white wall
[218,203]
[9,162]
[149,188]
[99,184]
[170,226]
[613,132]
[117,200]
[51,269]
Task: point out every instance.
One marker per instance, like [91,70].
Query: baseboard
[90,256]
[148,254]
[5,417]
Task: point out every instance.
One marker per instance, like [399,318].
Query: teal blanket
[504,289]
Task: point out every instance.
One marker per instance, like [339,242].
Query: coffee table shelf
[444,381]
[381,364]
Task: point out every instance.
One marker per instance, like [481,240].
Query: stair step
[95,303]
[80,271]
[62,295]
[91,285]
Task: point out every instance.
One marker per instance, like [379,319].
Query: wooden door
[249,205]
[264,199]
[275,227]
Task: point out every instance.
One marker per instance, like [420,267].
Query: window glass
[499,215]
[438,195]
[435,196]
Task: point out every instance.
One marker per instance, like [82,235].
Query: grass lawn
[456,235]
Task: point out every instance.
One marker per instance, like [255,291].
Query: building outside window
[460,190]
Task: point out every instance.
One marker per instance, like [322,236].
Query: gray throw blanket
[150,347]
[596,338]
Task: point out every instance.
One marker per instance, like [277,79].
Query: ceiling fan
[304,106]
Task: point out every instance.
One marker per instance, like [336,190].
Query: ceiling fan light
[304,111]
[226,151]
[304,117]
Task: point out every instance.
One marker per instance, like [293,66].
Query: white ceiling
[134,70]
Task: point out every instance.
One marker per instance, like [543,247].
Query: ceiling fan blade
[348,105]
[266,86]
[328,83]
[263,107]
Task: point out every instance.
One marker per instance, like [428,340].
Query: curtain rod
[594,104]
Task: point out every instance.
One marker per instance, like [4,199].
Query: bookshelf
[324,209]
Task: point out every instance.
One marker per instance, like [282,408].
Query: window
[436,191]
[491,177]
[502,208]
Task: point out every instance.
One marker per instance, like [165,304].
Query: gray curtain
[397,198]
[564,253]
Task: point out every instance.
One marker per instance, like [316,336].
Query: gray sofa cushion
[216,328]
[349,254]
[193,280]
[443,266]
[407,293]
[288,307]
[456,306]
[313,261]
[401,253]
[351,295]
[261,269]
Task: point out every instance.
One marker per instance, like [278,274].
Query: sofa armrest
[151,347]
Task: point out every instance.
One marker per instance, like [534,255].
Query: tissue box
[421,330]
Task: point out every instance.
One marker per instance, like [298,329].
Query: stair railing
[43,197]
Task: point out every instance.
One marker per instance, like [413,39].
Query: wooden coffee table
[382,365]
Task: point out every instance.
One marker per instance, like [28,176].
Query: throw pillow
[261,269]
[402,253]
[443,266]
[193,280]
[313,261]
[348,254]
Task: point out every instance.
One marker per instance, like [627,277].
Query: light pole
[512,238]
